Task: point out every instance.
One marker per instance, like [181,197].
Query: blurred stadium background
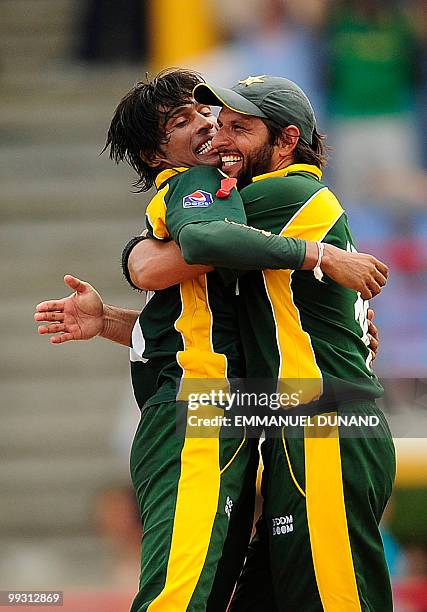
[67,520]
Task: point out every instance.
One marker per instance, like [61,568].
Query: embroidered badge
[252,79]
[197,199]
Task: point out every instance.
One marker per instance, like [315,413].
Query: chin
[232,171]
[212,162]
[208,160]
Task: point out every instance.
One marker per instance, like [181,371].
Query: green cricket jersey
[292,325]
[188,331]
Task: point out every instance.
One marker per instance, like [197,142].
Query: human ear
[154,161]
[289,139]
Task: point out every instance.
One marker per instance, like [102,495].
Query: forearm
[231,245]
[154,265]
[118,324]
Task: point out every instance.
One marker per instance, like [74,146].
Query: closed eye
[179,123]
[206,111]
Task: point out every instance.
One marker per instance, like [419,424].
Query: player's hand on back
[373,335]
[80,316]
[358,271]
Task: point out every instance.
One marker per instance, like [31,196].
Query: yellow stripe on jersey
[156,209]
[203,368]
[198,360]
[289,170]
[297,358]
[200,478]
[198,488]
[290,468]
[156,214]
[315,218]
[165,175]
[327,521]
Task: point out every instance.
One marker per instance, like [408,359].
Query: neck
[280,163]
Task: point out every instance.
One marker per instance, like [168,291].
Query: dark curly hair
[137,129]
[315,153]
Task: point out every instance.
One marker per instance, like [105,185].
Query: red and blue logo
[197,199]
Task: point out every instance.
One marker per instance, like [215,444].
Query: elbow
[148,276]
[191,254]
[142,274]
[195,248]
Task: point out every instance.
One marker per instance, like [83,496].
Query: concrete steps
[45,401]
[64,209]
[85,558]
[41,15]
[41,419]
[71,186]
[33,32]
[41,505]
[44,251]
[61,112]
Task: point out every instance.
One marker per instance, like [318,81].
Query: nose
[206,123]
[221,139]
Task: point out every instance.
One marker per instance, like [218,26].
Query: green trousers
[317,546]
[196,498]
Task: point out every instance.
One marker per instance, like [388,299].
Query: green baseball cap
[267,97]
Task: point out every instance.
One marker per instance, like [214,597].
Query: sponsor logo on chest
[228,506]
[283,524]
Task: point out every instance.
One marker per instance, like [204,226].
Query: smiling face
[189,129]
[244,145]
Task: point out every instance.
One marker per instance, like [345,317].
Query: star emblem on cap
[252,79]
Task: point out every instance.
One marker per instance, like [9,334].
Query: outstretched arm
[83,315]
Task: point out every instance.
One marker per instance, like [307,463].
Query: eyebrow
[242,119]
[234,121]
[186,107]
[179,111]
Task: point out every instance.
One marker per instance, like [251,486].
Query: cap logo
[252,79]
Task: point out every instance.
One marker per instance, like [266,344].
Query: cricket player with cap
[328,486]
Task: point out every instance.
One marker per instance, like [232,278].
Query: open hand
[80,316]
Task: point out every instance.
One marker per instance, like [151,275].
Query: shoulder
[205,179]
[285,190]
[195,175]
[208,171]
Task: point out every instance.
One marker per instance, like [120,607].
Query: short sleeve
[155,215]
[192,198]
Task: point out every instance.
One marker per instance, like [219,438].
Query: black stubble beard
[258,163]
